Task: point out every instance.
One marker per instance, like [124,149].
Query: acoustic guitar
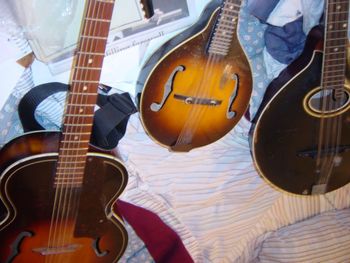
[195,87]
[300,139]
[56,190]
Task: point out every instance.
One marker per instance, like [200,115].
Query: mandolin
[57,190]
[196,86]
[300,139]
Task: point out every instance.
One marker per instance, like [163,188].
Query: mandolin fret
[336,37]
[225,28]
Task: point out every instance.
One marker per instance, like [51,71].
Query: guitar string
[196,114]
[59,188]
[73,204]
[229,6]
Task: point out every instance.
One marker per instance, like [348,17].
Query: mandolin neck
[335,45]
[79,111]
[225,27]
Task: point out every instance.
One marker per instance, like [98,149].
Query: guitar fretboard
[78,118]
[336,38]
[225,28]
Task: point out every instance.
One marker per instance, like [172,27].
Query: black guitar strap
[110,120]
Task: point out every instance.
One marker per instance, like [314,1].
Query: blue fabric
[261,8]
[287,42]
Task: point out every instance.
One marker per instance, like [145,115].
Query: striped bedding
[212,196]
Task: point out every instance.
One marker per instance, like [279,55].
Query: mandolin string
[326,160]
[339,80]
[187,130]
[232,25]
[229,6]
[184,135]
[334,124]
[197,111]
[217,57]
[322,159]
[331,105]
[182,138]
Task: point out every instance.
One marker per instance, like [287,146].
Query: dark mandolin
[56,191]
[300,136]
[196,87]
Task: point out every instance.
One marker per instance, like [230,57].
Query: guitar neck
[225,27]
[78,117]
[335,45]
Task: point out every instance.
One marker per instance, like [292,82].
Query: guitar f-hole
[15,246]
[97,250]
[168,87]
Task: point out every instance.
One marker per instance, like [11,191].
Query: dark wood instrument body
[282,129]
[202,77]
[27,188]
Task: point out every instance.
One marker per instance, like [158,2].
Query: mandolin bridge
[325,152]
[198,101]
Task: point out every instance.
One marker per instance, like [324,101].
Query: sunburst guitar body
[88,231]
[196,87]
[300,136]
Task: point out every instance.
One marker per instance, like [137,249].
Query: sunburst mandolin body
[190,96]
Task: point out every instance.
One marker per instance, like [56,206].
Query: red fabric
[164,245]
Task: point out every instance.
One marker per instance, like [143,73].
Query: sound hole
[328,101]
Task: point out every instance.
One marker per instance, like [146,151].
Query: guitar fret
[63,169]
[74,149]
[69,162]
[98,20]
[76,133]
[77,125]
[70,177]
[70,141]
[86,81]
[106,1]
[87,68]
[80,105]
[94,37]
[82,94]
[80,115]
[72,155]
[91,53]
[76,185]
